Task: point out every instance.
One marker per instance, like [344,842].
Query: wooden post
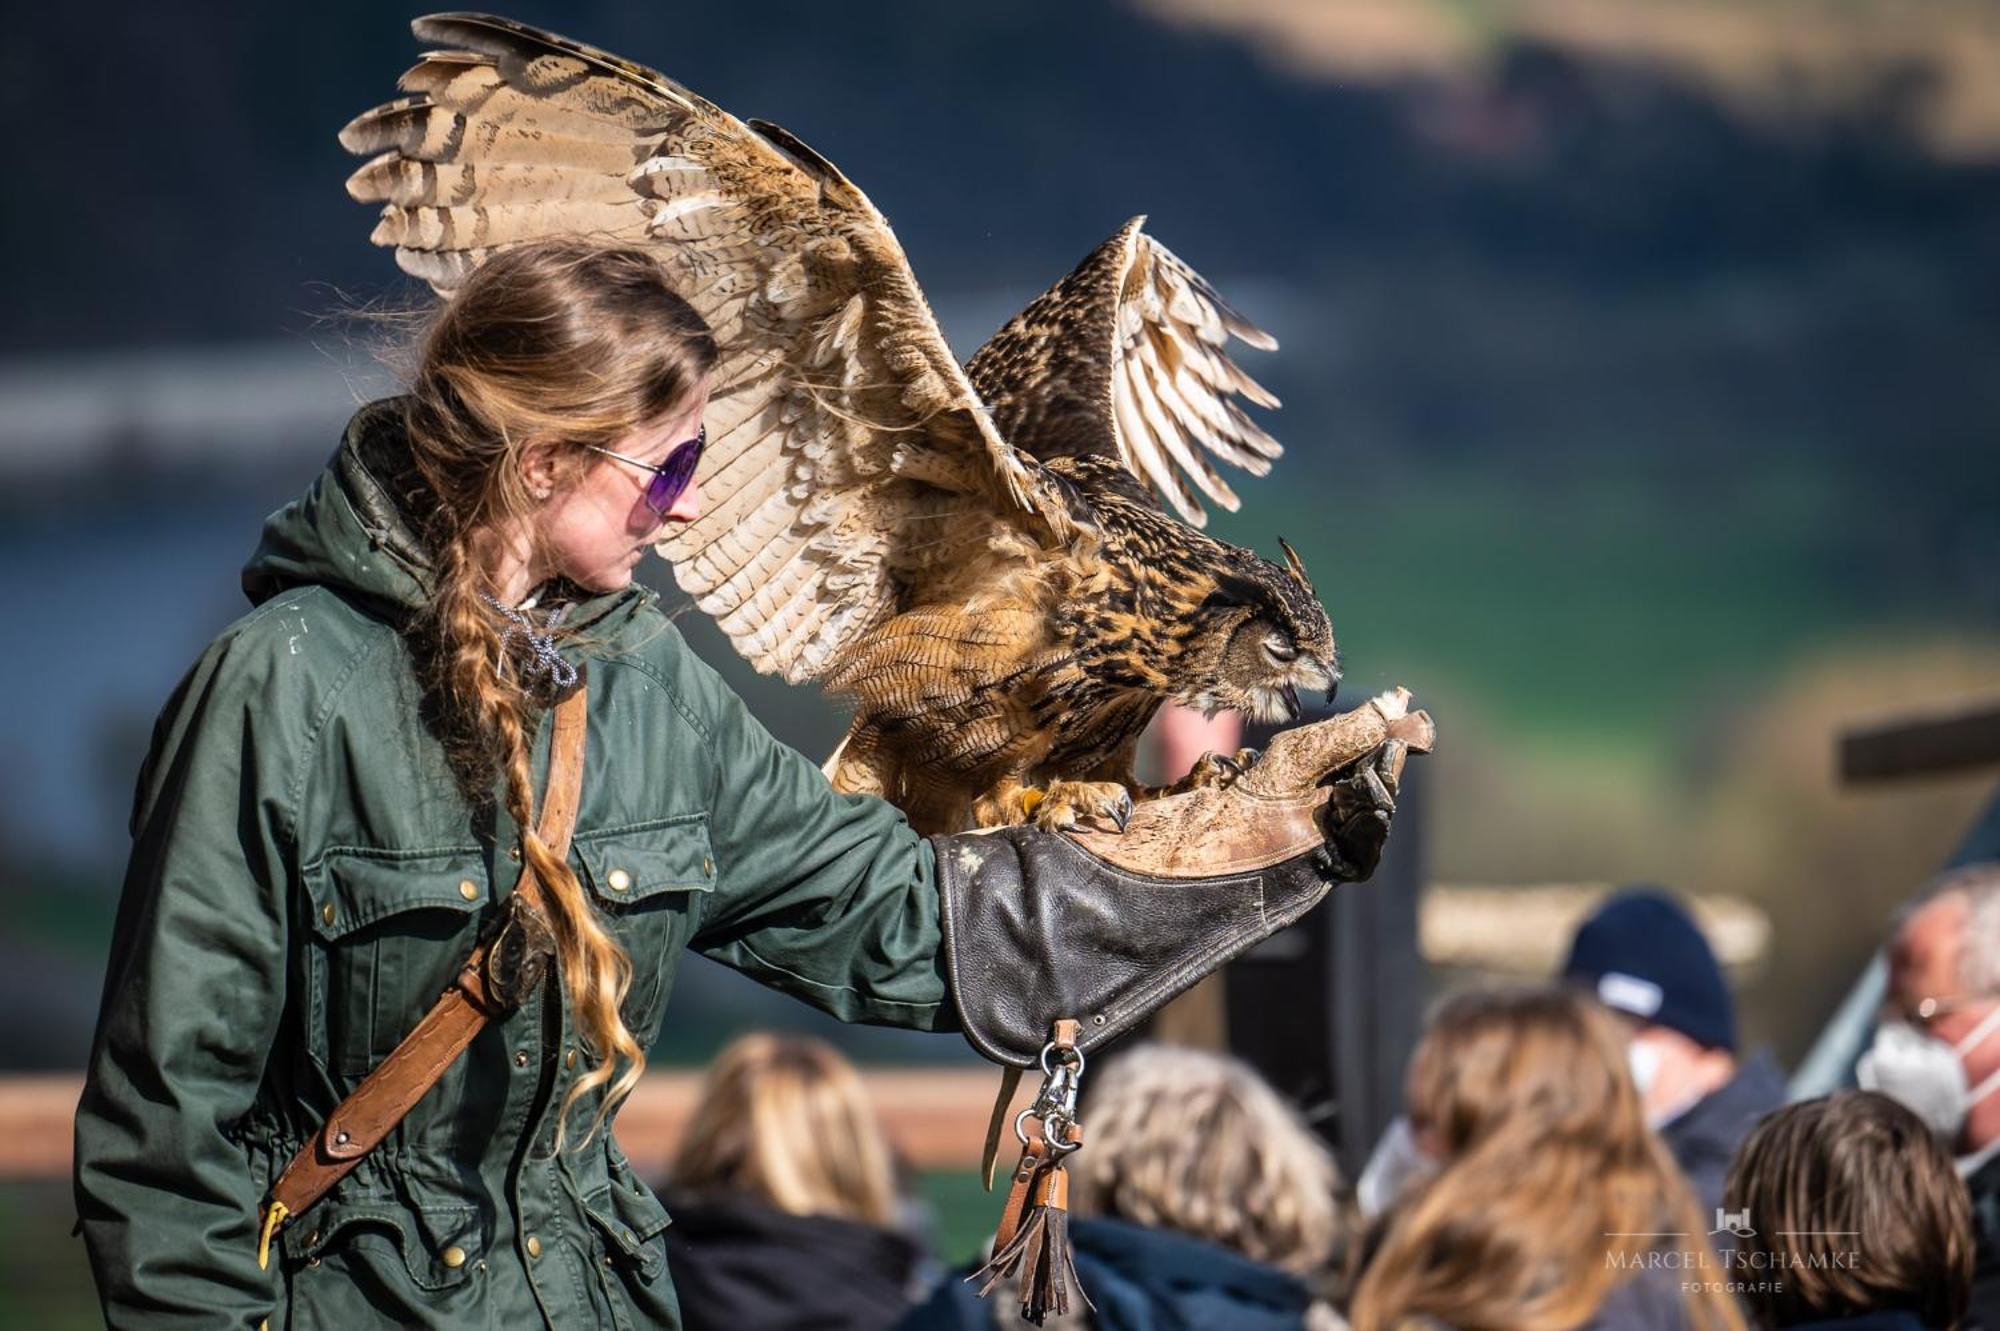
[1952,739]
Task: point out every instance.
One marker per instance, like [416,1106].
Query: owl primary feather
[1001,564]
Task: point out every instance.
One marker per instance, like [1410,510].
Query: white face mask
[1926,1075]
[1396,1165]
[1643,1058]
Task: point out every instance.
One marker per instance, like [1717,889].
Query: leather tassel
[1039,1255]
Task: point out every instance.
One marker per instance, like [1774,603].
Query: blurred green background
[1638,359]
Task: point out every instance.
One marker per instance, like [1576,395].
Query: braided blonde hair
[556,342]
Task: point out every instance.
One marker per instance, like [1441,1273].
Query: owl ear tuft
[1296,565]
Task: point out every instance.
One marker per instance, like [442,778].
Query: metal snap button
[708,866]
[327,912]
[520,1058]
[569,1059]
[534,1246]
[453,1257]
[618,880]
[468,889]
[514,854]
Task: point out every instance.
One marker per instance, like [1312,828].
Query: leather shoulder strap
[387,1095]
[564,792]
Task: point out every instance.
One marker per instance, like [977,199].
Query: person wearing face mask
[1937,1046]
[1549,1205]
[1642,956]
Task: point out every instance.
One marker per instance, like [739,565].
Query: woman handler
[345,787]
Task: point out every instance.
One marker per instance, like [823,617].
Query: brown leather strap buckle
[517,955]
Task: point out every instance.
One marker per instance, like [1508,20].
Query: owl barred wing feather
[850,462]
[1127,359]
[1004,620]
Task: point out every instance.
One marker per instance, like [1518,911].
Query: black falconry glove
[1102,928]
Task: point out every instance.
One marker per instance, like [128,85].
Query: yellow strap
[274,1217]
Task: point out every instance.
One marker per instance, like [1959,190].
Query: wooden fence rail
[936,1116]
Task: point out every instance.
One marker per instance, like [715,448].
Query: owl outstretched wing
[849,462]
[1128,358]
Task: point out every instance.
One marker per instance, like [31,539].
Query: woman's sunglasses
[670,478]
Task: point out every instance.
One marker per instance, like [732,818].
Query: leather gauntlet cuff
[1037,928]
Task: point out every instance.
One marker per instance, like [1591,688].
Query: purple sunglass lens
[671,480]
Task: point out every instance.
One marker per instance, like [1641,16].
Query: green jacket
[304,881]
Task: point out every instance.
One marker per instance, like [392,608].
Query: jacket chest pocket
[393,928]
[643,879]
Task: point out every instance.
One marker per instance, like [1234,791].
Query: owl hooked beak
[1313,671]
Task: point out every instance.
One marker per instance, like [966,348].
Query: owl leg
[1211,769]
[1007,803]
[1056,807]
[1067,804]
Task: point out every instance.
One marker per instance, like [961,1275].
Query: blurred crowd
[1594,1152]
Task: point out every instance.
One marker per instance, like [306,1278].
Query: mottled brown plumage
[980,558]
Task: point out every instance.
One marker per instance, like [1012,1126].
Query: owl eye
[1279,648]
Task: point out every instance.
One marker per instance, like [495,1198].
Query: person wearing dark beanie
[1643,957]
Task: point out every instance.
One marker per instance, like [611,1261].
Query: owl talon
[1070,804]
[1214,769]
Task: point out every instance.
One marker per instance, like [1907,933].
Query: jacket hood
[352,530]
[743,1220]
[738,1263]
[1145,1279]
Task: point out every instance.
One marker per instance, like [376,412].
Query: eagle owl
[981,559]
